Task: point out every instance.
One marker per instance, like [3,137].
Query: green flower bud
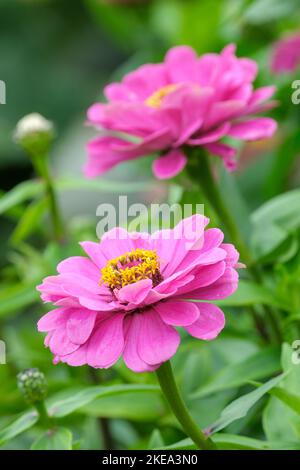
[34,134]
[33,385]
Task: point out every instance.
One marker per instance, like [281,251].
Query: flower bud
[34,134]
[33,385]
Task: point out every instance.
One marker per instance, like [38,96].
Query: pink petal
[232,254]
[157,342]
[79,265]
[176,312]
[211,136]
[227,153]
[76,358]
[80,325]
[107,342]
[169,165]
[225,286]
[259,128]
[204,276]
[60,343]
[135,293]
[210,322]
[181,64]
[54,319]
[94,252]
[261,94]
[130,354]
[174,245]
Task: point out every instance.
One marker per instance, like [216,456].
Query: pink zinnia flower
[286,54]
[184,101]
[132,292]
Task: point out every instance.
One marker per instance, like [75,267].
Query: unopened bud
[34,134]
[33,385]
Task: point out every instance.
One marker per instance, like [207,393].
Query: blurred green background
[56,56]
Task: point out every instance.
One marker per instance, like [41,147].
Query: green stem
[211,191]
[42,169]
[168,385]
[199,168]
[44,418]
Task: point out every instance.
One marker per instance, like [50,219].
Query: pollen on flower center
[131,267]
[155,100]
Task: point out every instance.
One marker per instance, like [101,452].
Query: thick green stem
[168,385]
[42,169]
[44,418]
[200,171]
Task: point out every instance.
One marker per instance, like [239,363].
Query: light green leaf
[261,364]
[21,424]
[29,220]
[281,420]
[142,407]
[54,439]
[102,185]
[20,193]
[250,293]
[155,440]
[15,297]
[69,401]
[223,441]
[240,407]
[290,399]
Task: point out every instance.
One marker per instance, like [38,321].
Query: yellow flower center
[131,267]
[155,100]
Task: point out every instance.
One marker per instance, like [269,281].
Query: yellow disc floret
[155,100]
[131,267]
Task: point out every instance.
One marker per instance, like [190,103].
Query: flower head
[33,385]
[186,101]
[286,54]
[133,290]
[34,133]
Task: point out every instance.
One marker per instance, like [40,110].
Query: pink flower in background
[286,54]
[184,101]
[133,290]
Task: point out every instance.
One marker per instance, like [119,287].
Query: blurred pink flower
[133,290]
[286,54]
[184,101]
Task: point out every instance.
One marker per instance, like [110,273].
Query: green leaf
[155,440]
[240,407]
[142,407]
[29,220]
[70,401]
[20,193]
[21,424]
[54,439]
[102,185]
[281,420]
[261,364]
[249,293]
[233,442]
[14,298]
[290,399]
